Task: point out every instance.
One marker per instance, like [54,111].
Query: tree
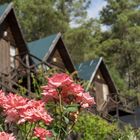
[83,40]
[45,17]
[121,44]
[72,10]
[39,18]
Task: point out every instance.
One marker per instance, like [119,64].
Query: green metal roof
[39,48]
[86,69]
[3,8]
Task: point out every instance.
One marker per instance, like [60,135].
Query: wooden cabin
[12,42]
[100,84]
[15,61]
[52,50]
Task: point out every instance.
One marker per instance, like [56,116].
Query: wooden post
[28,74]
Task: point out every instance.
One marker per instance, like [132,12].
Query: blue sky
[95,7]
[93,11]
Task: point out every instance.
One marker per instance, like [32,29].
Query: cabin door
[102,93]
[4,56]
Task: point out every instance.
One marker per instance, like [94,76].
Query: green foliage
[93,127]
[119,82]
[128,133]
[82,40]
[45,17]
[36,18]
[120,45]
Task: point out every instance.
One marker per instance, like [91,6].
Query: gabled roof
[3,8]
[44,47]
[87,71]
[40,47]
[7,12]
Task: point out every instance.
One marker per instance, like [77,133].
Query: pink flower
[12,115]
[14,101]
[35,112]
[59,80]
[42,133]
[70,92]
[73,89]
[50,93]
[12,106]
[6,136]
[86,100]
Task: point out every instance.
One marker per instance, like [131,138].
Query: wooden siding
[14,35]
[10,33]
[7,41]
[4,56]
[100,81]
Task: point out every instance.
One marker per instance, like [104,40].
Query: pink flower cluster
[70,92]
[6,136]
[42,133]
[19,109]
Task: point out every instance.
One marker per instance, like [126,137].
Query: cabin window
[12,54]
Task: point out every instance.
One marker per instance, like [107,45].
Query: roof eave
[110,77]
[52,47]
[73,67]
[94,73]
[20,30]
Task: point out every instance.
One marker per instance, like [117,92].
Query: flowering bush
[29,119]
[6,136]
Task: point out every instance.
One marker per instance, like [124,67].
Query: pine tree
[121,44]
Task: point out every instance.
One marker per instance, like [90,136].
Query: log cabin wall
[6,42]
[4,56]
[101,91]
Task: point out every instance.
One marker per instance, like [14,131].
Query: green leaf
[66,120]
[71,109]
